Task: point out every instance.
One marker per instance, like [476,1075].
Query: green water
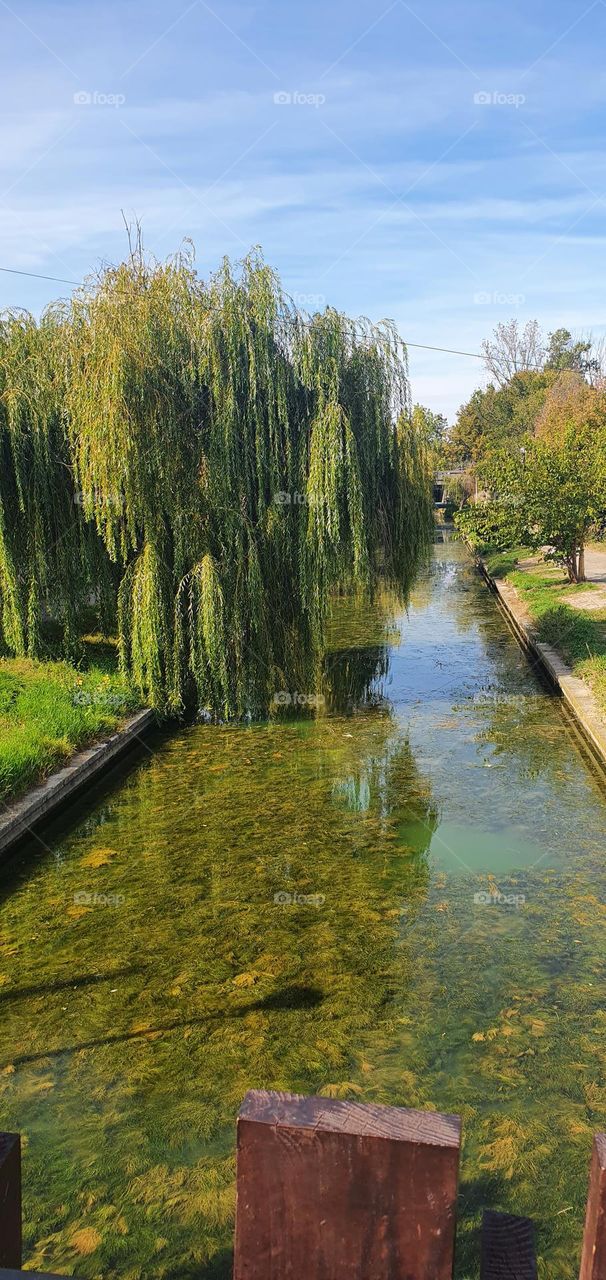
[295,906]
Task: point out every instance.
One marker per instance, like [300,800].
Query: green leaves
[545,494]
[207,464]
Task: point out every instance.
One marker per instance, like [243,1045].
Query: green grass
[578,636]
[50,709]
[501,563]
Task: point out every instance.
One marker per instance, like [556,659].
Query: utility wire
[450,350]
[34,275]
[422,346]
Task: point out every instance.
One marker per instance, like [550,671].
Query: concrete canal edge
[43,801]
[577,696]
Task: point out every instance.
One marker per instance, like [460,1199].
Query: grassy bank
[50,709]
[578,633]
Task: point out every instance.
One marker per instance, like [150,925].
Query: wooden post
[593,1260]
[10,1200]
[508,1251]
[332,1190]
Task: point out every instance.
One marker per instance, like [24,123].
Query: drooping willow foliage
[207,465]
[49,556]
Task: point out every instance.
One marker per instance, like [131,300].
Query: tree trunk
[581,563]
[571,565]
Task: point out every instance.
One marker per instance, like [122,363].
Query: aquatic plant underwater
[208,464]
[294,905]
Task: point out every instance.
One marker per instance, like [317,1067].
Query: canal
[397,898]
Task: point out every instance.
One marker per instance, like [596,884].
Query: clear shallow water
[317,905]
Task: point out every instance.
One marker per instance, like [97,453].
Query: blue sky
[438,163]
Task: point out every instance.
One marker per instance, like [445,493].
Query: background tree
[513,350]
[564,353]
[545,494]
[525,367]
[571,402]
[496,417]
[431,428]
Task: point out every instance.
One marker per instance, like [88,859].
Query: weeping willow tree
[212,465]
[51,563]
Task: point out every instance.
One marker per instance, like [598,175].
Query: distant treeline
[533,446]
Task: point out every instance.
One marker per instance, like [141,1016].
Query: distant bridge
[440,485]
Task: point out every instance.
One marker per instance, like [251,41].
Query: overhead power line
[474,354]
[422,346]
[35,275]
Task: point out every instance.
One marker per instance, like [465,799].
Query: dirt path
[595,565]
[595,571]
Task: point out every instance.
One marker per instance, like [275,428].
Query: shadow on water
[475,1195]
[293,998]
[67,984]
[353,678]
